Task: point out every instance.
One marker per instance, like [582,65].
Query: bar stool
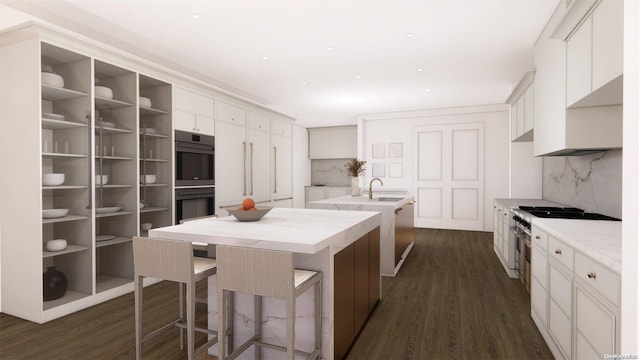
[266,273]
[174,261]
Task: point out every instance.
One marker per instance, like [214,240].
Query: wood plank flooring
[450,300]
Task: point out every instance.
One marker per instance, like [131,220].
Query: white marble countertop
[513,203]
[601,240]
[364,200]
[297,230]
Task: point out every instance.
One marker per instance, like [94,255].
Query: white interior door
[449,176]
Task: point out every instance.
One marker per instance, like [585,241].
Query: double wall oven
[195,177]
[522,216]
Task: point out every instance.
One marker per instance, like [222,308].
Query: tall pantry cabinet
[74,130]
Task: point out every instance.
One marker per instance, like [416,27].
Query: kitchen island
[396,227]
[344,245]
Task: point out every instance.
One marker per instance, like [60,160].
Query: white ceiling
[328,60]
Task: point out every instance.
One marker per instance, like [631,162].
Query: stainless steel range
[522,230]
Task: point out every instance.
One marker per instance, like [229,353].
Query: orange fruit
[248,204]
[240,208]
[253,209]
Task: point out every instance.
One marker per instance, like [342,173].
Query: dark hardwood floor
[450,300]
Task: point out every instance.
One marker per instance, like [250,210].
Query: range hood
[591,129]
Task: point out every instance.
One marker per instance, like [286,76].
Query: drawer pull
[559,252]
[591,275]
[537,237]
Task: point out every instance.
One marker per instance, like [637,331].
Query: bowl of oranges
[249,212]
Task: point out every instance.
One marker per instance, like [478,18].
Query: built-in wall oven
[194,159]
[194,202]
[195,178]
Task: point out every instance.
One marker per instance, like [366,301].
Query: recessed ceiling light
[304,83]
[358,76]
[329,48]
[420,69]
[427,90]
[409,35]
[265,58]
[195,16]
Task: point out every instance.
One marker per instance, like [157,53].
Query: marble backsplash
[590,182]
[330,172]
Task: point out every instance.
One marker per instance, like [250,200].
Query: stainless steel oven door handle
[193,148]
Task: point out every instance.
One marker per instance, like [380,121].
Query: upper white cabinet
[338,142]
[193,112]
[594,58]
[521,101]
[560,130]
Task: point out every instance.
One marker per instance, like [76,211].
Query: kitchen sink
[388,198]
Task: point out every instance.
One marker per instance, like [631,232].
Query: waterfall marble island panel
[319,240]
[396,227]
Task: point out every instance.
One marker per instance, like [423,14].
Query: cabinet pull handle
[398,210]
[275,169]
[591,275]
[251,164]
[244,168]
[558,251]
[538,237]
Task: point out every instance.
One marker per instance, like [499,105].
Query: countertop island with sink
[396,227]
[344,245]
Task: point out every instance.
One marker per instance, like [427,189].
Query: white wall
[398,128]
[301,165]
[630,316]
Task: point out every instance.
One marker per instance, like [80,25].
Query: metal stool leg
[138,315]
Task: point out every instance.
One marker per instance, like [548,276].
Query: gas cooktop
[564,213]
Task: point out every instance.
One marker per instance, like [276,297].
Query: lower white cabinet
[596,325]
[574,300]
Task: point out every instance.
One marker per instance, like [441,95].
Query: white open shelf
[151,111]
[112,130]
[118,240]
[55,94]
[104,103]
[63,219]
[152,209]
[107,282]
[114,186]
[69,296]
[64,187]
[68,250]
[154,160]
[52,124]
[63,155]
[114,158]
[117,213]
[154,185]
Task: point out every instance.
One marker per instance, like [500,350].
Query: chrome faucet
[371,186]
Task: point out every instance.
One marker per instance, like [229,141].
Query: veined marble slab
[305,231]
[387,224]
[514,203]
[599,239]
[314,236]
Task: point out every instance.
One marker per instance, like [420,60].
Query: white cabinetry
[282,165]
[88,135]
[156,153]
[338,142]
[193,112]
[594,58]
[559,130]
[578,312]
[503,238]
[521,101]
[253,157]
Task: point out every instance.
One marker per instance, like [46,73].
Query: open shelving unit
[155,152]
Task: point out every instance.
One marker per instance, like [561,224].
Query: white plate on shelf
[105,237]
[52,116]
[106,124]
[148,130]
[106,210]
[54,213]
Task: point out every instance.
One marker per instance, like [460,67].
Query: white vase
[355,186]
